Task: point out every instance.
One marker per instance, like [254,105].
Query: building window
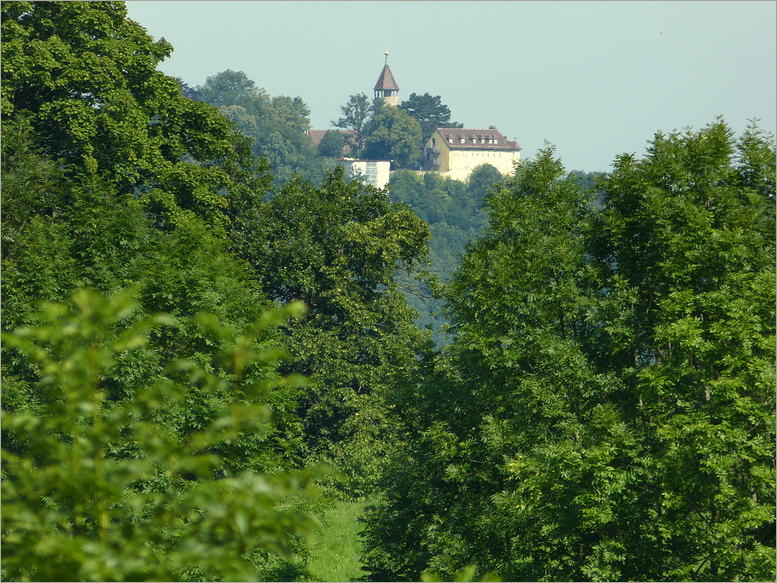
[372,173]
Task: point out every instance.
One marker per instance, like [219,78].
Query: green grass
[335,552]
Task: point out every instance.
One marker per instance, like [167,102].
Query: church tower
[386,88]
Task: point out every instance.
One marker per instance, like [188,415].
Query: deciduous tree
[393,135]
[332,144]
[99,489]
[85,76]
[606,411]
[430,112]
[277,126]
[337,248]
[356,114]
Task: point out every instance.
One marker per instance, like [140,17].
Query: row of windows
[480,154]
[490,140]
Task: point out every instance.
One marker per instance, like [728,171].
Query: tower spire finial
[386,61]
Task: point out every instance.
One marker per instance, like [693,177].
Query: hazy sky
[595,79]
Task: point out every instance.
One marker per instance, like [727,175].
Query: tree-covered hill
[209,348]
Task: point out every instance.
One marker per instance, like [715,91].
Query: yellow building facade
[456,152]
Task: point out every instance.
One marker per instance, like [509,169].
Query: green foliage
[337,248]
[606,411]
[356,116]
[99,489]
[234,88]
[444,202]
[65,226]
[32,185]
[277,126]
[392,134]
[62,234]
[480,182]
[696,340]
[85,77]
[454,212]
[166,219]
[383,132]
[332,144]
[464,574]
[430,112]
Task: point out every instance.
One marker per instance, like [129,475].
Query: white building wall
[374,172]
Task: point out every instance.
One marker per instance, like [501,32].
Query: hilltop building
[451,152]
[386,88]
[456,152]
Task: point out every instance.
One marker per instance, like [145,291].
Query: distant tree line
[278,126]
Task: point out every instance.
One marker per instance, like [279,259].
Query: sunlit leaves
[86,78]
[76,506]
[607,408]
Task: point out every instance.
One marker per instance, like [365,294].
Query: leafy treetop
[85,76]
[430,112]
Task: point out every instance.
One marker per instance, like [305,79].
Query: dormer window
[462,140]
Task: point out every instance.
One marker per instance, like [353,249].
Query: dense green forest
[220,358]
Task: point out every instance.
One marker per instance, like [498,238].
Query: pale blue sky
[595,79]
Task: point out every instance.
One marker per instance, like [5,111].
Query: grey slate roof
[386,81]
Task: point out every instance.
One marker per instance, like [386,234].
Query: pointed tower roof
[386,81]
